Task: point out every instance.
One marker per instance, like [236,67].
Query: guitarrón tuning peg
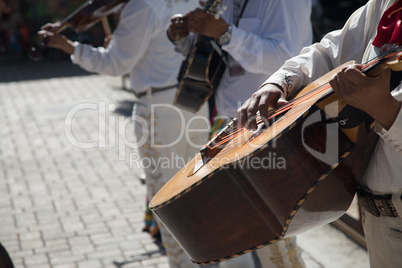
[220,11]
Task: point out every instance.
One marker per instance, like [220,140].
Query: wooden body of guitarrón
[263,187]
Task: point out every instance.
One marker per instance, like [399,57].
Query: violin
[82,19]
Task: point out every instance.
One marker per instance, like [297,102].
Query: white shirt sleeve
[334,49]
[394,135]
[184,45]
[128,45]
[264,42]
[383,174]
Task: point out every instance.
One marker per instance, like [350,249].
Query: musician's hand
[58,41]
[51,26]
[106,41]
[205,24]
[370,94]
[178,27]
[268,96]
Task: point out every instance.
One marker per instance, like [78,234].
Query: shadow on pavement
[22,70]
[145,256]
[125,108]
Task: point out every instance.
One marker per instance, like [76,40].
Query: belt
[154,90]
[377,205]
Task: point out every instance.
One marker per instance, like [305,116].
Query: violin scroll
[37,52]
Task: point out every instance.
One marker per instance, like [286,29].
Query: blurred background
[21,19]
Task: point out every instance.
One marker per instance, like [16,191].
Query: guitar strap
[214,117]
[235,68]
[241,13]
[353,117]
[396,78]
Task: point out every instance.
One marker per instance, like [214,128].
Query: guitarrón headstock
[391,59]
[211,6]
[395,62]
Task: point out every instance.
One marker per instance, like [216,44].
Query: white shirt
[353,42]
[139,47]
[268,33]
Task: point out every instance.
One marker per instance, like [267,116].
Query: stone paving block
[96,227]
[18,188]
[133,265]
[104,252]
[128,246]
[31,244]
[25,218]
[64,265]
[12,244]
[33,261]
[19,255]
[34,235]
[53,246]
[51,231]
[153,262]
[42,266]
[19,262]
[79,241]
[6,220]
[89,264]
[82,249]
[65,258]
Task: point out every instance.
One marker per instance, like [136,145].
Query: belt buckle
[385,207]
[369,205]
[377,205]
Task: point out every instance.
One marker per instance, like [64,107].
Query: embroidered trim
[286,79]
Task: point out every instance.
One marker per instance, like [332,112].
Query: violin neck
[61,28]
[106,26]
[69,21]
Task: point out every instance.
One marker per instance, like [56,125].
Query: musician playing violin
[370,31]
[257,37]
[139,46]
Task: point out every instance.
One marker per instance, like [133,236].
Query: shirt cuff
[394,135]
[285,80]
[236,39]
[76,56]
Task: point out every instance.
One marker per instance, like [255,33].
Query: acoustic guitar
[299,170]
[202,70]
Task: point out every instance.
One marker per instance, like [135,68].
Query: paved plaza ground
[69,196]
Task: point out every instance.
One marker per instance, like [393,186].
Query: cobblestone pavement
[63,206]
[69,196]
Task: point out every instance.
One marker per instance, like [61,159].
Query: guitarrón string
[273,114]
[237,132]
